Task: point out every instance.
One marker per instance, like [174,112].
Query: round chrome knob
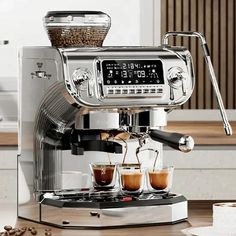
[175,76]
[80,76]
[176,79]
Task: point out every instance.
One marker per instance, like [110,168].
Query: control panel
[115,77]
[132,78]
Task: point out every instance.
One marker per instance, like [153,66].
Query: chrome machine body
[67,91]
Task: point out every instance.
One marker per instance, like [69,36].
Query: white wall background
[21,23]
[206,173]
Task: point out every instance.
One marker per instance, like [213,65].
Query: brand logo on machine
[40,74]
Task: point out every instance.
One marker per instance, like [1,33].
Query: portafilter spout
[227,126]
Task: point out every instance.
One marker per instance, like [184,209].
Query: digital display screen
[132,72]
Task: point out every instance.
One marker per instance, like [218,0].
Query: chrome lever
[227,126]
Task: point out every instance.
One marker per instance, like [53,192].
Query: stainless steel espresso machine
[77,90]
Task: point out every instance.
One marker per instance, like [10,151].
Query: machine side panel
[33,84]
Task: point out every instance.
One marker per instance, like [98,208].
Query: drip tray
[106,209]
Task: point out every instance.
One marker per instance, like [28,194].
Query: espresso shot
[131,181]
[103,175]
[160,179]
[131,178]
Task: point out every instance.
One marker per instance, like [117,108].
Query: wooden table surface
[200,214]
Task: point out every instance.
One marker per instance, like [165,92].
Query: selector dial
[82,78]
[176,78]
[80,75]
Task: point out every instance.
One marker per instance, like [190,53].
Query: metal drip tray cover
[109,199]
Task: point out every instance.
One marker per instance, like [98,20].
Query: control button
[152,90]
[131,91]
[125,91]
[127,199]
[138,91]
[118,91]
[160,90]
[146,91]
[110,91]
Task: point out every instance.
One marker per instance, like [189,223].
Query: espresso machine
[76,90]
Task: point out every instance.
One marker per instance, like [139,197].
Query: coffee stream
[141,139]
[126,150]
[109,158]
[142,142]
[149,149]
[121,137]
[155,161]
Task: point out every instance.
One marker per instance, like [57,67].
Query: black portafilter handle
[180,142]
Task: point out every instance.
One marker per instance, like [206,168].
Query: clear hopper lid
[77,18]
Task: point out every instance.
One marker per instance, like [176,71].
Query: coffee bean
[19,233]
[34,232]
[77,36]
[7,227]
[12,231]
[48,233]
[65,222]
[31,228]
[24,228]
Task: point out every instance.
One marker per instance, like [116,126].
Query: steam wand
[227,126]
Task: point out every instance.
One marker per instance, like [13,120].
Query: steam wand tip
[228,130]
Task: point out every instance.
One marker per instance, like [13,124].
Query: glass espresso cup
[160,179]
[131,178]
[103,175]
